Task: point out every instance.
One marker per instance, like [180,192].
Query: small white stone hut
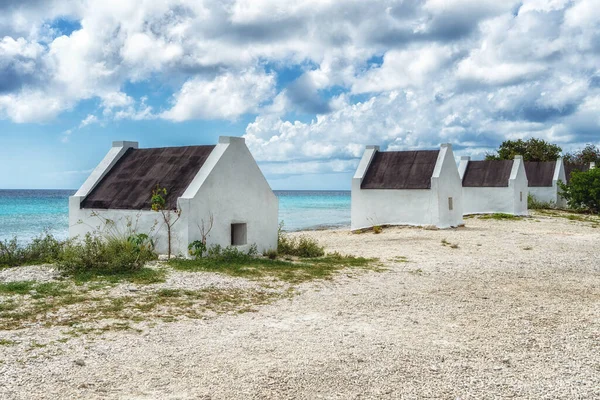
[493,186]
[406,188]
[543,177]
[220,182]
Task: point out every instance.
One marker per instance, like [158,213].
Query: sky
[308,83]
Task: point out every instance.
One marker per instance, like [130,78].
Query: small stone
[80,362]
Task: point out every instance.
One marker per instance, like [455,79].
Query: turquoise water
[27,213]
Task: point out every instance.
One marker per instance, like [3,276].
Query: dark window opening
[238,234]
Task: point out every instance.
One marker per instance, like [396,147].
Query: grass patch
[571,216]
[143,276]
[301,270]
[6,342]
[534,204]
[36,290]
[501,216]
[446,243]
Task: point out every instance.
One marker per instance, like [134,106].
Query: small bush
[583,190]
[105,255]
[231,254]
[377,229]
[535,204]
[42,249]
[302,246]
[271,254]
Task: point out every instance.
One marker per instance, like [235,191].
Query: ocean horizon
[27,213]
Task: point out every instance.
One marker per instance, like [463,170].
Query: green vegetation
[84,300]
[594,220]
[36,290]
[142,276]
[377,229]
[448,244]
[105,256]
[535,204]
[588,154]
[500,216]
[83,311]
[235,263]
[43,249]
[158,203]
[531,150]
[583,190]
[301,246]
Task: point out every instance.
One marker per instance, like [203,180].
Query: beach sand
[501,309]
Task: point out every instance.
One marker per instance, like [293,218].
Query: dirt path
[513,311]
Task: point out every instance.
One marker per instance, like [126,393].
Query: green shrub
[197,249]
[110,255]
[583,190]
[535,204]
[231,254]
[377,229]
[41,250]
[302,246]
[271,254]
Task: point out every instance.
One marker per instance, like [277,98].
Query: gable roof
[489,173]
[540,173]
[569,168]
[401,170]
[129,183]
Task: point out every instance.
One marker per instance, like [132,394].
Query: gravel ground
[512,312]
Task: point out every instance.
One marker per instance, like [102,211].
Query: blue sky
[308,83]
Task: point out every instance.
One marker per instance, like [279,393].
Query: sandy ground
[512,312]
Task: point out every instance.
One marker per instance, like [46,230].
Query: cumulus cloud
[225,97]
[399,73]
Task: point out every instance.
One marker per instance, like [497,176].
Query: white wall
[419,207]
[446,183]
[551,194]
[229,185]
[511,199]
[234,191]
[124,223]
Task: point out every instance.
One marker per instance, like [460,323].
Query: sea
[26,214]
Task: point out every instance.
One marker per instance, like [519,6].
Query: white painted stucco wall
[551,194]
[511,199]
[229,185]
[411,206]
[233,190]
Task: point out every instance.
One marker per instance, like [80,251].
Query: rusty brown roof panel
[569,168]
[129,184]
[401,170]
[489,173]
[540,173]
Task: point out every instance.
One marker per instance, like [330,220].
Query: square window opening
[238,234]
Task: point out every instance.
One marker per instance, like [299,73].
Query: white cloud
[89,120]
[225,97]
[400,73]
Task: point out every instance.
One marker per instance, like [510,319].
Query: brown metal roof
[129,184]
[569,168]
[489,173]
[401,170]
[540,173]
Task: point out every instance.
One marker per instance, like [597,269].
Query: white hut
[406,188]
[220,182]
[569,168]
[493,186]
[543,178]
